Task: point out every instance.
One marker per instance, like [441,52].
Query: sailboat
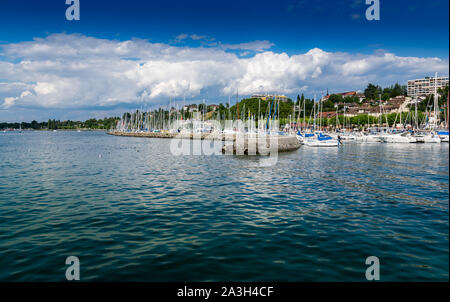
[402,138]
[318,139]
[321,140]
[303,137]
[431,136]
[362,137]
[443,135]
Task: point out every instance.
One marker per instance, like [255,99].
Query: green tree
[336,98]
[372,92]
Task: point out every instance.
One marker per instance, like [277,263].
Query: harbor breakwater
[249,144]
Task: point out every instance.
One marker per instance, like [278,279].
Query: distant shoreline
[51,130]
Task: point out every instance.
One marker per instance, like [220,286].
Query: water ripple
[137,213]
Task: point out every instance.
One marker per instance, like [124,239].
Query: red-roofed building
[359,95]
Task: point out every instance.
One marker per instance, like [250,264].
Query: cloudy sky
[127,54]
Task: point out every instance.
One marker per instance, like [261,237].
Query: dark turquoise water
[138,213]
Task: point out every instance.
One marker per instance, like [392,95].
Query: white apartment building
[425,86]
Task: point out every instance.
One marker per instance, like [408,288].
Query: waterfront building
[393,105]
[425,86]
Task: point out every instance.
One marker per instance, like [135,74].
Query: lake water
[131,211]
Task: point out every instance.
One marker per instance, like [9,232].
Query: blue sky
[260,30]
[293,26]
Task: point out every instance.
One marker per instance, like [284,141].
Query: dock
[241,143]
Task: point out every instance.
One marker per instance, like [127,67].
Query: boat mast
[337,118]
[343,122]
[415,115]
[314,106]
[368,121]
[319,114]
[259,109]
[448,94]
[380,119]
[436,103]
[237,104]
[304,112]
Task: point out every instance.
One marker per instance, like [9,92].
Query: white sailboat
[399,138]
[367,138]
[430,137]
[443,135]
[320,140]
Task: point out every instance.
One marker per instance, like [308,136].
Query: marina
[178,121]
[309,132]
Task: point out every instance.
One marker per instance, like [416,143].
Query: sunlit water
[131,211]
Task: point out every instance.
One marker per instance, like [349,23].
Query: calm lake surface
[131,211]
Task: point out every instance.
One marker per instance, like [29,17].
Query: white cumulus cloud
[78,72]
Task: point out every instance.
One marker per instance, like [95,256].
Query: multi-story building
[425,86]
[264,97]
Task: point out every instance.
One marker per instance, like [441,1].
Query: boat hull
[397,139]
[316,143]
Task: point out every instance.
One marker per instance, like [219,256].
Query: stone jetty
[239,144]
[186,135]
[261,145]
